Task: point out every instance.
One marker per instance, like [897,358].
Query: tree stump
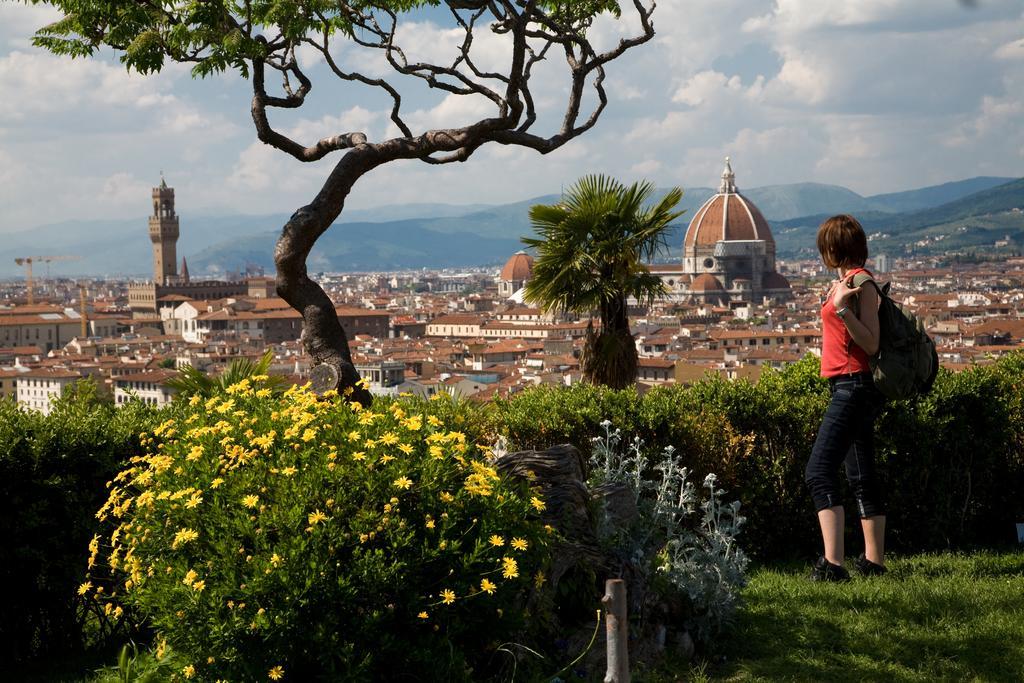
[560,472]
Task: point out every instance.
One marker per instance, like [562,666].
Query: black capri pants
[847,435]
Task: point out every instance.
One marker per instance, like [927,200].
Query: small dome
[727,216]
[774,280]
[706,282]
[518,268]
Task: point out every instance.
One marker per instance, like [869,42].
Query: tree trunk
[610,356]
[322,335]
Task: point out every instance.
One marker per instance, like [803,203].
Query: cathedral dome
[728,216]
[518,268]
[706,282]
[774,280]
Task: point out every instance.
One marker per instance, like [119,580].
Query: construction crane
[84,316]
[27,261]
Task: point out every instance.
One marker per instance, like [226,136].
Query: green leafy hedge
[53,471]
[953,461]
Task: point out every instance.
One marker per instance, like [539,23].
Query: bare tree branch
[260,102]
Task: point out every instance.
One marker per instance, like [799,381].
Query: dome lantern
[728,185]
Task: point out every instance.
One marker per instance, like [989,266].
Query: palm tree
[590,256]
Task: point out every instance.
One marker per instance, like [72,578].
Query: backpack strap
[858,281]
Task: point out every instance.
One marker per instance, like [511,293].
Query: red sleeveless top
[840,355]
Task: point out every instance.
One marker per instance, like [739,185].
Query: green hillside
[976,221]
[781,202]
[935,195]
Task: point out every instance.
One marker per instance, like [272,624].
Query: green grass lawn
[932,618]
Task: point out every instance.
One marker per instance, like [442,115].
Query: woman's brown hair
[842,242]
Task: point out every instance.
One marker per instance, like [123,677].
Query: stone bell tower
[163,232]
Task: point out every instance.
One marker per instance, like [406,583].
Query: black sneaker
[868,568]
[826,571]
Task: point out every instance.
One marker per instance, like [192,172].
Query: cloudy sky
[875,95]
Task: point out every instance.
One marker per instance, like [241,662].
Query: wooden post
[614,602]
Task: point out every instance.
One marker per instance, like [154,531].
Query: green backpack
[906,362]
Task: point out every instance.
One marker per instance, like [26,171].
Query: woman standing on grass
[850,335]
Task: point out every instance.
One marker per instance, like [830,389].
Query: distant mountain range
[444,235]
[972,222]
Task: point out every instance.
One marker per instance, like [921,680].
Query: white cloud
[38,83]
[18,22]
[878,95]
[645,167]
[902,15]
[123,189]
[1011,51]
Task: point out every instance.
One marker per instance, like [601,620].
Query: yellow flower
[316,517]
[238,387]
[496,540]
[216,482]
[265,441]
[539,579]
[309,434]
[85,588]
[354,436]
[226,407]
[405,448]
[487,587]
[194,501]
[436,452]
[538,504]
[478,485]
[519,543]
[190,577]
[251,501]
[403,482]
[414,423]
[275,559]
[262,393]
[189,671]
[194,401]
[276,674]
[447,497]
[509,568]
[388,439]
[118,611]
[430,524]
[423,615]
[198,586]
[184,536]
[289,471]
[433,421]
[195,453]
[447,596]
[359,455]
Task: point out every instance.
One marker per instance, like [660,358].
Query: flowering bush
[268,537]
